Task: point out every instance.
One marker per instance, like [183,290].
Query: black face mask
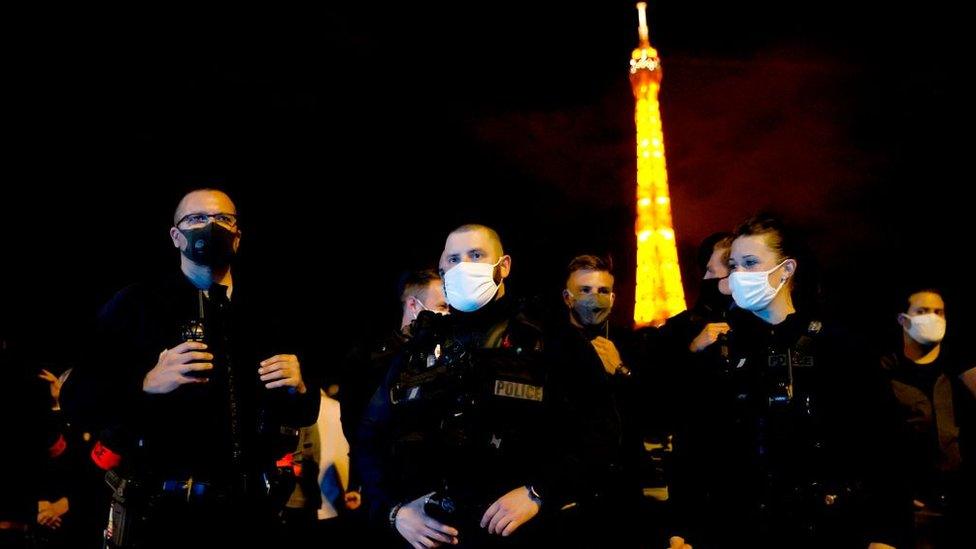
[711,302]
[211,245]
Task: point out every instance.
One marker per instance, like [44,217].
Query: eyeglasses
[196,219]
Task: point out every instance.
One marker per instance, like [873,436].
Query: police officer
[365,365]
[700,327]
[790,445]
[194,377]
[593,391]
[450,445]
[696,336]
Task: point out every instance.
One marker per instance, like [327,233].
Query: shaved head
[492,236]
[477,244]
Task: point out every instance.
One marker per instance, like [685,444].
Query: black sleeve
[354,393]
[688,419]
[559,481]
[355,388]
[104,391]
[370,452]
[287,337]
[56,481]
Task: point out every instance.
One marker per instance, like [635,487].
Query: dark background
[353,139]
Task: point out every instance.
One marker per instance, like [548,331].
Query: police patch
[518,390]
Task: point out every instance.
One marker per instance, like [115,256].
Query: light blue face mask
[470,286]
[751,290]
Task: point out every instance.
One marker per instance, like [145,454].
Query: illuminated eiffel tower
[659,293]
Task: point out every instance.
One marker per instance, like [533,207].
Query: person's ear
[505,266]
[789,269]
[177,237]
[904,321]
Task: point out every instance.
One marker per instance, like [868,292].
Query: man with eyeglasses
[199,380]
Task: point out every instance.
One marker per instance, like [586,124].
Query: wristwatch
[393,514]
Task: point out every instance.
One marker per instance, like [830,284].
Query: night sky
[406,121]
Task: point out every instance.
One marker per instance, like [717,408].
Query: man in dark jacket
[450,447]
[193,381]
[593,393]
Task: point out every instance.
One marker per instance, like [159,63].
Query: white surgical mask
[470,286]
[751,290]
[926,329]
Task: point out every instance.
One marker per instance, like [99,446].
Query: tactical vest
[467,409]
